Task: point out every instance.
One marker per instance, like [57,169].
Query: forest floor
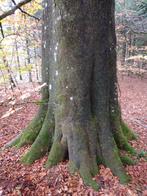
[35,180]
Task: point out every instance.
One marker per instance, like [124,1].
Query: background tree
[131,28]
[16,30]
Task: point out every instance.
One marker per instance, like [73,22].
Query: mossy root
[127,160]
[128,132]
[57,154]
[31,132]
[87,177]
[13,142]
[42,143]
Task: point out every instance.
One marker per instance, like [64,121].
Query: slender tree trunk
[83,120]
[4,79]
[11,80]
[36,65]
[28,59]
[18,60]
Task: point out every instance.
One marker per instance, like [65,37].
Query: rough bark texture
[82,121]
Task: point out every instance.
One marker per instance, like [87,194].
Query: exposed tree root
[111,158]
[86,175]
[81,153]
[128,132]
[127,160]
[13,142]
[57,154]
[30,133]
[119,136]
[87,169]
[43,141]
[80,159]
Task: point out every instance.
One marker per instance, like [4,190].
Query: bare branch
[12,11]
[12,34]
[1,29]
[25,11]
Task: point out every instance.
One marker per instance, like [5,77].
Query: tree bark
[18,60]
[83,120]
[28,59]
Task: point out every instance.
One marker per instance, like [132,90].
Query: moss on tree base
[43,141]
[59,148]
[128,132]
[127,160]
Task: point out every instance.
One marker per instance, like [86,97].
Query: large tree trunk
[83,120]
